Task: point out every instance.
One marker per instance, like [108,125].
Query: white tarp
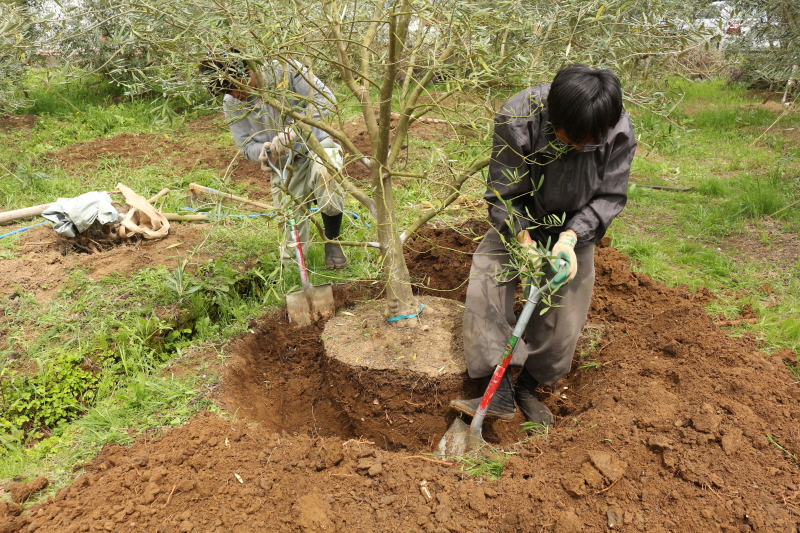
[71,216]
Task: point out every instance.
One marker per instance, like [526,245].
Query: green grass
[486,462]
[738,177]
[129,326]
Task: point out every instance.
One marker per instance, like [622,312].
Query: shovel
[313,301]
[460,437]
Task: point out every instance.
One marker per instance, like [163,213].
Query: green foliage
[143,402]
[14,23]
[180,283]
[486,462]
[40,403]
[535,429]
[761,196]
[767,51]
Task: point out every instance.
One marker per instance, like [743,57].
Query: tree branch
[457,183]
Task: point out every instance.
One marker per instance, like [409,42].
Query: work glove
[279,147]
[565,249]
[535,259]
[264,157]
[282,143]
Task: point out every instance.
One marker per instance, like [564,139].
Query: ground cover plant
[100,349]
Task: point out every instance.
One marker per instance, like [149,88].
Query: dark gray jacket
[584,189]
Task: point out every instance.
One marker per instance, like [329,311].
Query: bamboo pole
[194,187]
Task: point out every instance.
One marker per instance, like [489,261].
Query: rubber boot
[532,408]
[334,256]
[502,405]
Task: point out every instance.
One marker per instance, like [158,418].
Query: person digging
[264,134]
[561,157]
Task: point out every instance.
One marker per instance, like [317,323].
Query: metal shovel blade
[310,304]
[454,441]
[459,439]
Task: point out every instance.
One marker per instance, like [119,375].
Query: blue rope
[23,229]
[354,215]
[395,319]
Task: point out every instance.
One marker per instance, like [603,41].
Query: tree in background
[14,50]
[766,41]
[395,62]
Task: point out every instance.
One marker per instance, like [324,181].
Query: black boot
[502,405]
[532,408]
[334,256]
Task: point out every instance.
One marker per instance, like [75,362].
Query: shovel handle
[534,295]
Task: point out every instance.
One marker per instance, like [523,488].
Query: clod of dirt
[21,491]
[8,509]
[703,440]
[362,338]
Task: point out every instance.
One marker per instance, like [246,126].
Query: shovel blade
[309,305]
[455,440]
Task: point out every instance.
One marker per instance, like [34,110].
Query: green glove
[565,249]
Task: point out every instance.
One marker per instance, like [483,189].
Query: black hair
[585,103]
[221,71]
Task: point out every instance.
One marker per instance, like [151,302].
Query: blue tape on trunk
[395,319]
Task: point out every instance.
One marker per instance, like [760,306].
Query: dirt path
[678,427]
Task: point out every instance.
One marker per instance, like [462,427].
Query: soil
[431,345]
[782,245]
[45,263]
[182,152]
[673,427]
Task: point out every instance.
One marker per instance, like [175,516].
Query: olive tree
[399,62]
[14,49]
[767,41]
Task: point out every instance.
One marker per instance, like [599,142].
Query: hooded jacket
[253,122]
[549,186]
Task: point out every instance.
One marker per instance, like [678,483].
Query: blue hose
[313,209]
[23,229]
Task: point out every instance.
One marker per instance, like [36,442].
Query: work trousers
[549,340]
[311,183]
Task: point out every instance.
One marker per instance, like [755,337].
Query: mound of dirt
[670,425]
[182,152]
[45,264]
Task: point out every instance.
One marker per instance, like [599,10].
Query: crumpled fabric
[142,218]
[71,216]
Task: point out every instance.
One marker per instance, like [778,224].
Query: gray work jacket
[253,122]
[582,190]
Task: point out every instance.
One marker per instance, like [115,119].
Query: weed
[178,282]
[486,462]
[789,455]
[592,364]
[537,430]
[36,405]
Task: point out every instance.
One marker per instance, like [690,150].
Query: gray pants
[313,183]
[489,316]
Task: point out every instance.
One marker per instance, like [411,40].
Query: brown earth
[677,427]
[45,261]
[182,152]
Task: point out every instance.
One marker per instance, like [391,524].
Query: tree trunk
[400,300]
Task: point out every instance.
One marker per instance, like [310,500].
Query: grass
[486,462]
[129,326]
[720,234]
